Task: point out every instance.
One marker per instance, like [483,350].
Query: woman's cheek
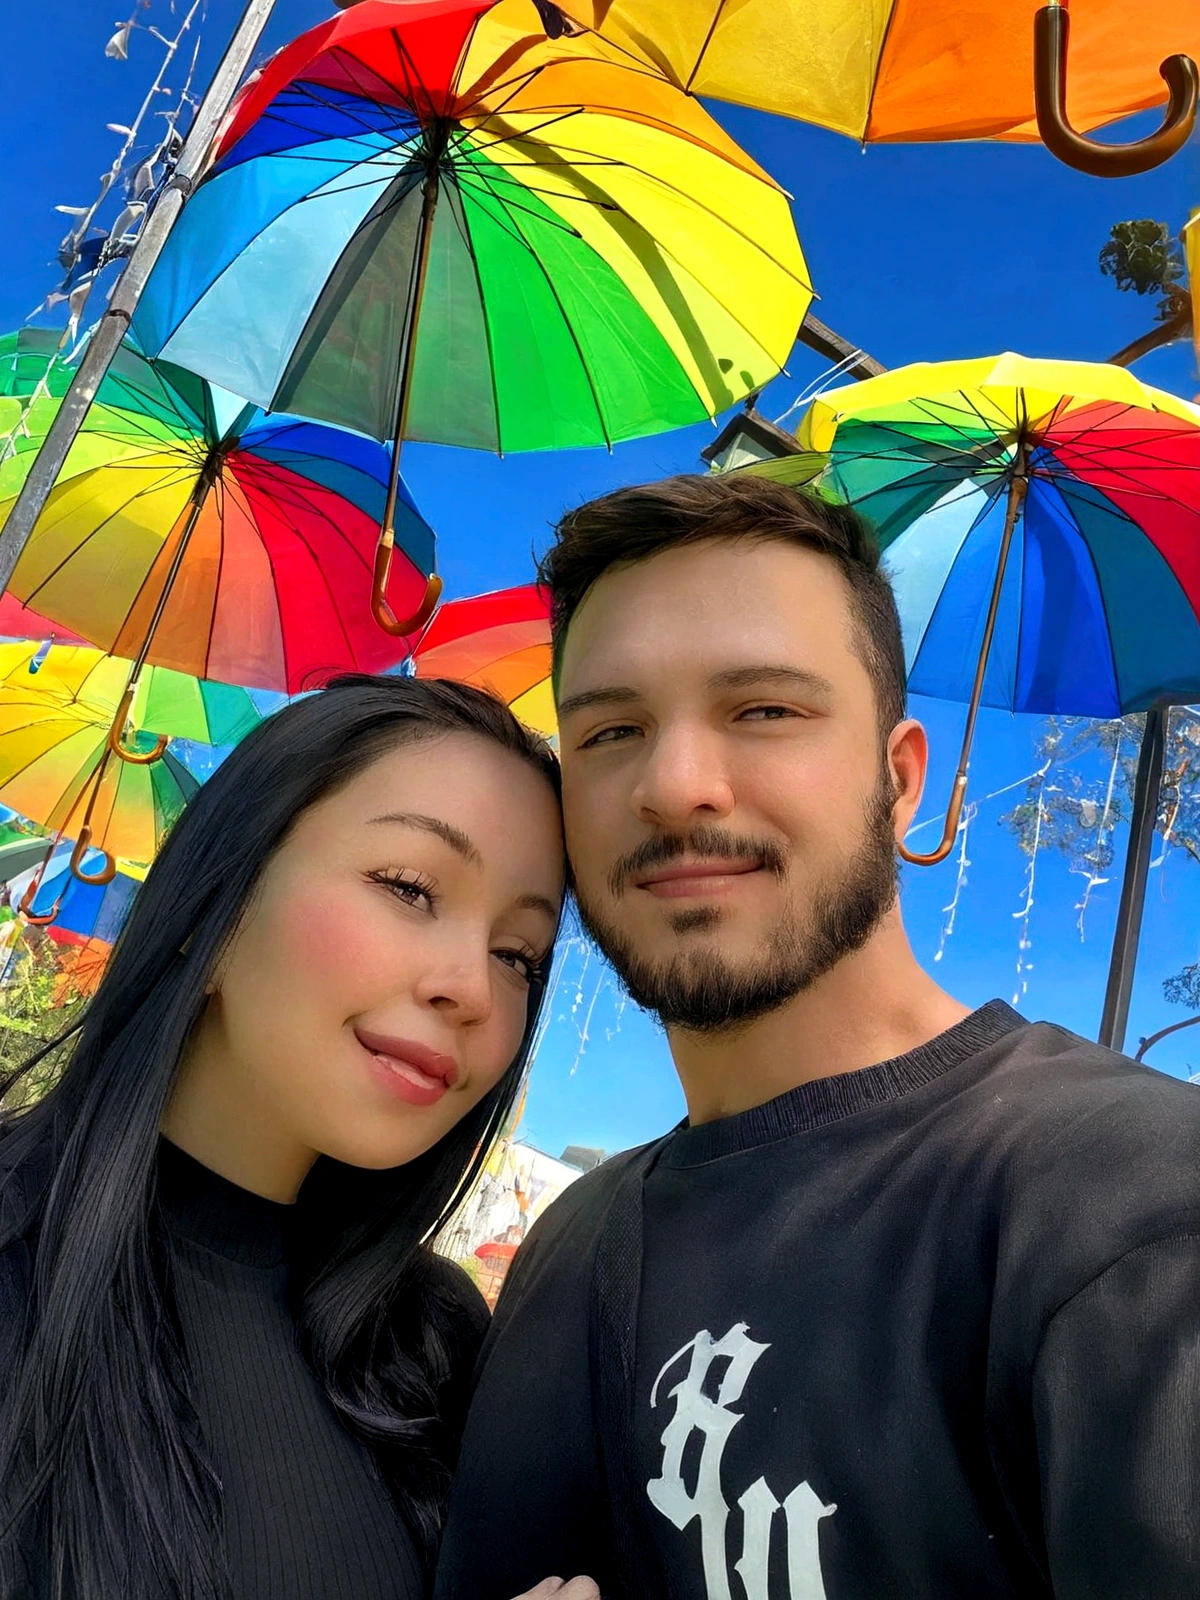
[324,934]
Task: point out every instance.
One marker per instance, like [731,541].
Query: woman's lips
[694,878]
[409,1070]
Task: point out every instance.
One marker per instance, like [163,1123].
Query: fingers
[557,1589]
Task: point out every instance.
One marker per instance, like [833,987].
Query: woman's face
[378,984]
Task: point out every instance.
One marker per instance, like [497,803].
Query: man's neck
[874,1005]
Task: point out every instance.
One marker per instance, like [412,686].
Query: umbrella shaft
[1017,487]
[208,476]
[411,319]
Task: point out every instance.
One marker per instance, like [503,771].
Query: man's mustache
[709,843]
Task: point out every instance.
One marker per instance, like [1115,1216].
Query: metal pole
[103,344]
[1146,789]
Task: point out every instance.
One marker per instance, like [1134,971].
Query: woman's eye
[413,891]
[608,736]
[526,967]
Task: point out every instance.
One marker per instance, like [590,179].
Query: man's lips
[422,1066]
[679,879]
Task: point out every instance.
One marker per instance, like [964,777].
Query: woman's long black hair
[102,1462]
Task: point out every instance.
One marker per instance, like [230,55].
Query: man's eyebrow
[794,677]
[596,697]
[446,831]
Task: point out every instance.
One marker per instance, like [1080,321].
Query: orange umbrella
[882,70]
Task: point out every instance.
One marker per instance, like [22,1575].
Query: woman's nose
[460,988]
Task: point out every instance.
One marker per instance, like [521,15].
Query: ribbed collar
[812,1105]
[202,1206]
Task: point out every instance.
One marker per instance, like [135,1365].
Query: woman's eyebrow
[446,831]
[539,902]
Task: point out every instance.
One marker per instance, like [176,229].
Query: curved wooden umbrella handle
[25,907]
[1051,32]
[949,832]
[83,844]
[383,613]
[116,733]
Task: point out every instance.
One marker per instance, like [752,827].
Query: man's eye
[609,736]
[767,713]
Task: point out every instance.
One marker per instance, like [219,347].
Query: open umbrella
[1042,529]
[56,768]
[500,642]
[883,70]
[188,530]
[168,704]
[65,715]
[429,221]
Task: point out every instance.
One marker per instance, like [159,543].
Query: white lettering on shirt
[714,1421]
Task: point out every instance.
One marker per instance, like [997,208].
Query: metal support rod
[1146,790]
[103,344]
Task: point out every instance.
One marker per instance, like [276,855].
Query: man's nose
[683,779]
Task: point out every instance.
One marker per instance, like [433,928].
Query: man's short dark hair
[631,525]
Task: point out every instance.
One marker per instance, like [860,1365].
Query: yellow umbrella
[63,711]
[882,70]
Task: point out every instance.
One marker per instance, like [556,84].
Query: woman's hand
[558,1589]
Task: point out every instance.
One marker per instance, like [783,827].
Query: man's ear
[908,762]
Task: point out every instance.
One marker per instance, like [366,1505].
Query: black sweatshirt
[307,1516]
[926,1331]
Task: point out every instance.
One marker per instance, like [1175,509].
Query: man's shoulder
[1085,1148]
[1055,1092]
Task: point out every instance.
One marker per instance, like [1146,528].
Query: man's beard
[700,990]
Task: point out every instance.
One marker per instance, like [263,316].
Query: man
[910,1305]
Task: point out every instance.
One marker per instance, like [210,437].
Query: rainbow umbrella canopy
[188,530]
[1092,473]
[63,710]
[886,70]
[428,221]
[500,642]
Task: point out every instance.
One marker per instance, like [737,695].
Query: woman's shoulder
[461,1298]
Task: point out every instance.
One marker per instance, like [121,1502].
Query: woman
[230,1364]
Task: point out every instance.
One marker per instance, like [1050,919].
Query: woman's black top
[307,1515]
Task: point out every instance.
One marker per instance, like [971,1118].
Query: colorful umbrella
[63,718]
[1042,528]
[427,222]
[168,704]
[498,641]
[882,70]
[189,530]
[56,769]
[82,911]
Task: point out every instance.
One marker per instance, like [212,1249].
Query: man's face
[728,812]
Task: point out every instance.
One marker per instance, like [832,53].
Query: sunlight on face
[378,984]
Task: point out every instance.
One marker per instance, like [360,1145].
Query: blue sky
[918,253]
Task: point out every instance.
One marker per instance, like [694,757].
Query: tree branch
[1178,327]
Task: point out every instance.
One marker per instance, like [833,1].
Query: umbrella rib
[95,532]
[556,223]
[563,314]
[292,523]
[692,199]
[465,234]
[718,11]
